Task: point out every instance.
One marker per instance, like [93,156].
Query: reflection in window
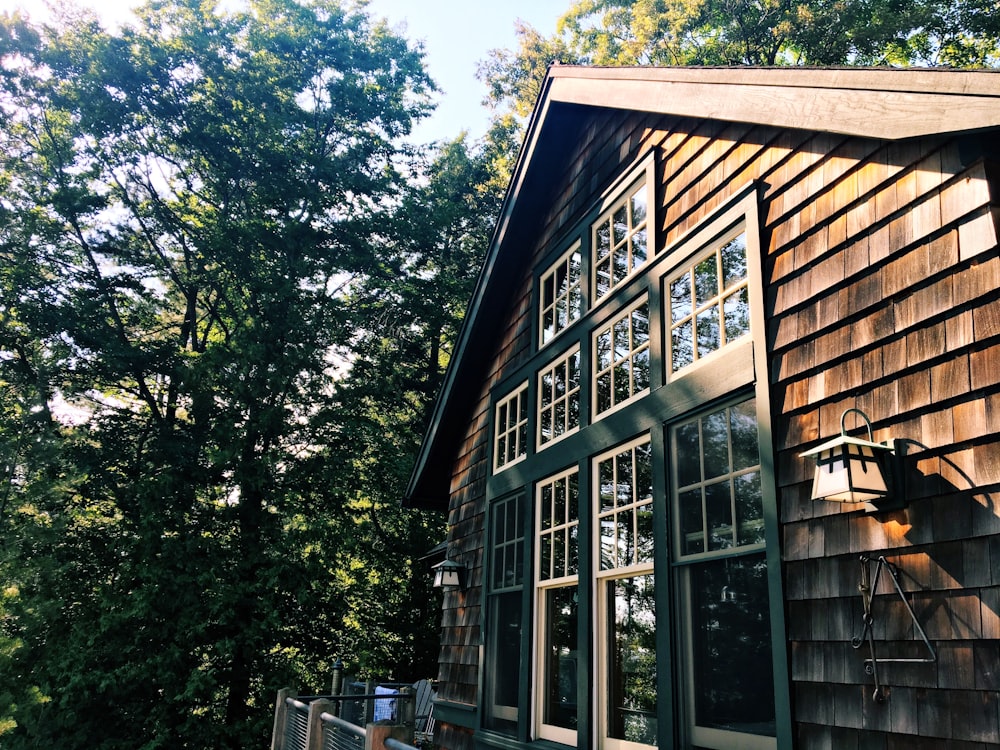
[622,358]
[511,429]
[625,506]
[559,399]
[730,657]
[632,651]
[558,521]
[621,242]
[560,657]
[717,481]
[561,295]
[709,304]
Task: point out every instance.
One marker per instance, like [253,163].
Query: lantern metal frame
[449,574]
[852,470]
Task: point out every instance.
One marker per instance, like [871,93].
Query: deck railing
[328,722]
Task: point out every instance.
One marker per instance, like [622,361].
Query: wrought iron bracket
[868,586]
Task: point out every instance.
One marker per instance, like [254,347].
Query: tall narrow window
[559,398]
[510,443]
[504,674]
[626,596]
[620,240]
[561,298]
[621,364]
[709,303]
[556,587]
[719,555]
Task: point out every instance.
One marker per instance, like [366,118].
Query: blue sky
[456,35]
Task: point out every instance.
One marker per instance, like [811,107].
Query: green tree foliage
[200,234]
[963,33]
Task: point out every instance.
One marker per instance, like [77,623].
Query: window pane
[620,221]
[644,533]
[731,646]
[504,676]
[692,528]
[687,444]
[639,207]
[560,657]
[716,437]
[736,310]
[719,512]
[749,509]
[706,280]
[734,260]
[743,425]
[632,660]
[682,346]
[639,253]
[709,335]
[680,298]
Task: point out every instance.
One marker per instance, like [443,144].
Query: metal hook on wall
[868,586]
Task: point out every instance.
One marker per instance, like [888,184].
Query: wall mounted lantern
[851,470]
[449,573]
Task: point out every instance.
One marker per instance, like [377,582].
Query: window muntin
[504,606]
[557,524]
[559,398]
[717,478]
[510,443]
[621,358]
[625,506]
[561,295]
[621,240]
[709,303]
[718,516]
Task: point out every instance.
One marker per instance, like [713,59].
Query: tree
[187,205]
[963,33]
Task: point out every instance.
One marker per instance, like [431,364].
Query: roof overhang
[890,104]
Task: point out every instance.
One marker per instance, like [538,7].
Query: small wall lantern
[850,470]
[449,573]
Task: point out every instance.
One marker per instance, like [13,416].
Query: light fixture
[449,573]
[850,470]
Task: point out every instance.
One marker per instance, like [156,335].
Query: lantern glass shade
[448,574]
[850,470]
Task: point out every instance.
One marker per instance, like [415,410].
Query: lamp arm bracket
[868,586]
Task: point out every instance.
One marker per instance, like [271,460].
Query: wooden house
[699,275]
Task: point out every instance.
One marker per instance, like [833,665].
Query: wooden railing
[317,723]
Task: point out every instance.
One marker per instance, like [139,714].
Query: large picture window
[626,596]
[719,555]
[558,509]
[504,613]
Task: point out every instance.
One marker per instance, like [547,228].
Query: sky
[456,34]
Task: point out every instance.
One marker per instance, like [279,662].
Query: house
[698,276]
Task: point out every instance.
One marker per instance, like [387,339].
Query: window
[557,501]
[621,362]
[504,611]
[561,295]
[620,240]
[510,443]
[626,596]
[709,303]
[719,555]
[559,398]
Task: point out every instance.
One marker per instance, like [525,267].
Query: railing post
[280,717]
[407,706]
[337,684]
[369,706]
[314,730]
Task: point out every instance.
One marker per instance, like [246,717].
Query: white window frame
[625,313]
[542,586]
[602,577]
[620,199]
[505,431]
[571,298]
[570,395]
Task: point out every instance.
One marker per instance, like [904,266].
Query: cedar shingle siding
[882,289]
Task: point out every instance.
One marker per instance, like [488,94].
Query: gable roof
[889,104]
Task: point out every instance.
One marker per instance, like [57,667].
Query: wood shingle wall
[883,294]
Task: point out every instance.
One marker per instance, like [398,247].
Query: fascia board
[886,104]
